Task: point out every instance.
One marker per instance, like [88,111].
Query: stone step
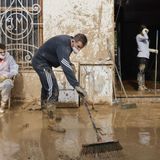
[154,99]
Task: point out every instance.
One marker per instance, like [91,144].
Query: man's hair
[81,37]
[2,46]
[141,28]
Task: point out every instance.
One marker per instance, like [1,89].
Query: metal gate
[21,29]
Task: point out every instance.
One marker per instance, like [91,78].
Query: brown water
[24,135]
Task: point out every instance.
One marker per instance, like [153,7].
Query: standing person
[8,69]
[143,56]
[54,53]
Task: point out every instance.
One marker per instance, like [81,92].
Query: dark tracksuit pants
[49,90]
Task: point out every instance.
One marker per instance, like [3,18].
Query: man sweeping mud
[54,53]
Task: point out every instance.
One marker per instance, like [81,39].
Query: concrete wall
[93,18]
[26,87]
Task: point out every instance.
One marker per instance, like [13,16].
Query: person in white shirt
[143,56]
[8,69]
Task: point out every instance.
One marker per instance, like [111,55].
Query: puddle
[24,134]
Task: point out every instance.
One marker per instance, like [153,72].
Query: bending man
[54,53]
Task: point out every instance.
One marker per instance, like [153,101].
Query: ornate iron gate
[21,28]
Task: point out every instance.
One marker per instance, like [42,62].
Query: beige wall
[93,18]
[26,87]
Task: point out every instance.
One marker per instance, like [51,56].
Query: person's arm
[66,66]
[73,68]
[153,50]
[13,68]
[68,70]
[145,32]
[143,37]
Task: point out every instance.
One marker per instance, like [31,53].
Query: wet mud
[24,134]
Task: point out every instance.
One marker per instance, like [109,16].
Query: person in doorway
[143,56]
[8,69]
[54,53]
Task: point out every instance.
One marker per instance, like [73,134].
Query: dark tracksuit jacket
[53,53]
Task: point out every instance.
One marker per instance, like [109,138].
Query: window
[21,29]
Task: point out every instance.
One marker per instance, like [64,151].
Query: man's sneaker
[51,111]
[145,88]
[141,88]
[58,118]
[3,104]
[1,110]
[50,114]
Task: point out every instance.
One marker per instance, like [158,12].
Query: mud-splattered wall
[92,17]
[95,19]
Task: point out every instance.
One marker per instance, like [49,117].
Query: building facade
[25,25]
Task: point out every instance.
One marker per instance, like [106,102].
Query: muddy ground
[24,133]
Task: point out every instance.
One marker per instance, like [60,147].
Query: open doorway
[129,15]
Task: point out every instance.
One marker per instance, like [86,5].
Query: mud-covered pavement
[24,134]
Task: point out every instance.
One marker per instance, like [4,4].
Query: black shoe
[58,118]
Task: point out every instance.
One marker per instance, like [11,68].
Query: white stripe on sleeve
[66,63]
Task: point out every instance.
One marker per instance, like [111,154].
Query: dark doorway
[129,15]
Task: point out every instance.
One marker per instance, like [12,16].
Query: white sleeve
[13,67]
[144,37]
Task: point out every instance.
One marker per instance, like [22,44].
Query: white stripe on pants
[50,84]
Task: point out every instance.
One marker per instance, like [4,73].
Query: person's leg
[38,65]
[141,74]
[52,99]
[53,94]
[49,94]
[6,87]
[43,99]
[49,90]
[53,90]
[145,61]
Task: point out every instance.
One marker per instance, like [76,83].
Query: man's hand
[156,51]
[81,91]
[145,30]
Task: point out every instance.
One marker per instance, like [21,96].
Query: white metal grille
[21,28]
